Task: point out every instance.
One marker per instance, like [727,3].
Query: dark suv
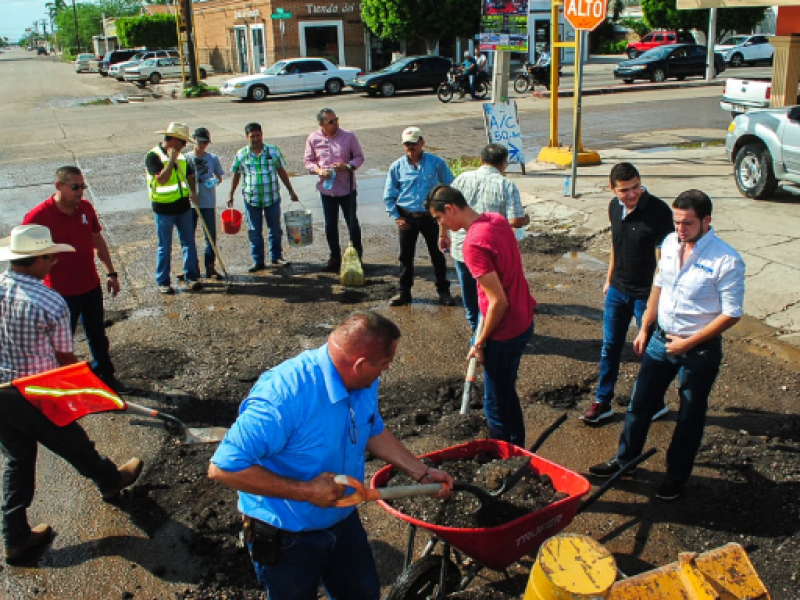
[114,57]
[654,39]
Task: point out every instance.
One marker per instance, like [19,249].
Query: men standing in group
[35,337]
[506,305]
[639,224]
[306,420]
[334,154]
[208,174]
[697,295]
[485,190]
[260,165]
[73,220]
[171,184]
[407,185]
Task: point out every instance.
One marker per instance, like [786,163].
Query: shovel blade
[204,435]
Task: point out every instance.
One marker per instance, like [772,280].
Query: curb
[633,87]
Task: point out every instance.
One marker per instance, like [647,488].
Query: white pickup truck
[741,95]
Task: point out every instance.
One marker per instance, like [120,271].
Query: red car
[658,38]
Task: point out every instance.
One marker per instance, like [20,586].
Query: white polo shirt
[710,283]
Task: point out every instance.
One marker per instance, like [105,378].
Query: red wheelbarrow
[434,576]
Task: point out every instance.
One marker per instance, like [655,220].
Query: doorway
[242,56]
[323,39]
[258,47]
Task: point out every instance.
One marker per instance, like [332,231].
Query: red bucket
[231,221]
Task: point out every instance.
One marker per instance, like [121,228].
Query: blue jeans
[89,309]
[338,557]
[256,215]
[618,311]
[210,219]
[330,207]
[500,399]
[469,293]
[697,371]
[164,226]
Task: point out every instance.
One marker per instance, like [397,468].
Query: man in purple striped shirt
[334,154]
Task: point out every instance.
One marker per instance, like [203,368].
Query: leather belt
[408,213]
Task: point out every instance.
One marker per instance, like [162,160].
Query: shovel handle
[138,409]
[363,494]
[472,367]
[613,479]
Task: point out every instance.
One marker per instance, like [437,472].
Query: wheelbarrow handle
[613,479]
[363,494]
[137,409]
[548,432]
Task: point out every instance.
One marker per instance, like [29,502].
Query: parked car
[763,147]
[114,57]
[153,70]
[746,49]
[41,51]
[293,75]
[117,71]
[82,62]
[668,62]
[742,95]
[654,39]
[411,73]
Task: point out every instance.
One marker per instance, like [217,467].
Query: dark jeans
[338,557]
[618,311]
[429,228]
[500,399]
[697,371]
[349,206]
[210,219]
[469,294]
[88,308]
[22,428]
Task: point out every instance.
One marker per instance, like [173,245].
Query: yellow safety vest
[175,188]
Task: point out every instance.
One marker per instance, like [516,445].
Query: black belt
[661,334]
[256,525]
[408,213]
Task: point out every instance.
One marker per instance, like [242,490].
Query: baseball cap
[201,134]
[412,134]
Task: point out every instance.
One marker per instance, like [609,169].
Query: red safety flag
[65,395]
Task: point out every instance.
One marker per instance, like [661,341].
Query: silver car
[82,62]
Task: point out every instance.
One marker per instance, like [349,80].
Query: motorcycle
[532,76]
[456,84]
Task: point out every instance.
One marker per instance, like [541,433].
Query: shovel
[192,435]
[362,494]
[213,245]
[470,378]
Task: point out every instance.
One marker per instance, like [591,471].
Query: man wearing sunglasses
[334,154]
[305,421]
[72,219]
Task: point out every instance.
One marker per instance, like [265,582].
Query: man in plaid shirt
[260,165]
[35,336]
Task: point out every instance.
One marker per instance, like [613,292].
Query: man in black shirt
[639,223]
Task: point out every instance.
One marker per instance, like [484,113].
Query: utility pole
[190,49]
[77,37]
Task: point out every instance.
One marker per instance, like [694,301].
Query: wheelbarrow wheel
[420,581]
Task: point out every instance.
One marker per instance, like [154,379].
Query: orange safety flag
[65,395]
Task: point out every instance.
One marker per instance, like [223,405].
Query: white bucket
[299,229]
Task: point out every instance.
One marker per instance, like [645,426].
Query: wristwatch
[112,274]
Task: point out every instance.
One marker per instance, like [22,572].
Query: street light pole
[77,37]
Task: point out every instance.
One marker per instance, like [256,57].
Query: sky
[17,15]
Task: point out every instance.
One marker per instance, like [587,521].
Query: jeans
[500,400]
[338,557]
[429,228]
[210,219]
[697,371]
[469,294]
[617,313]
[164,226]
[330,206]
[256,215]
[22,428]
[88,308]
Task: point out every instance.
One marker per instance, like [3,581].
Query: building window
[323,39]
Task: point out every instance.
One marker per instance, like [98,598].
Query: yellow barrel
[571,567]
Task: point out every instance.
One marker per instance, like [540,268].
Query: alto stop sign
[585,14]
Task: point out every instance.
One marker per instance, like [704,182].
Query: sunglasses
[78,186]
[332,121]
[410,144]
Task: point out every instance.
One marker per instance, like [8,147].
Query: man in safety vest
[171,184]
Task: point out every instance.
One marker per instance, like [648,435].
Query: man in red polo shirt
[72,220]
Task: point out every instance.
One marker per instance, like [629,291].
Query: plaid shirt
[259,174]
[485,190]
[34,325]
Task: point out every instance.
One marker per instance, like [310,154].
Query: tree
[664,14]
[427,20]
[151,31]
[90,22]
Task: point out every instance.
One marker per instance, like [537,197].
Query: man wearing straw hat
[35,336]
[171,184]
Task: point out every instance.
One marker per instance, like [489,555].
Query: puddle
[579,261]
[684,146]
[90,101]
[146,313]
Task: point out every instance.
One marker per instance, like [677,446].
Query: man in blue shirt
[407,185]
[305,421]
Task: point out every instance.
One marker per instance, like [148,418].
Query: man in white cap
[407,185]
[35,336]
[171,184]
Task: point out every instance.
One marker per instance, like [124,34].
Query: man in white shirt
[697,295]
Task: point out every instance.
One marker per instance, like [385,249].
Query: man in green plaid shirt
[260,165]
